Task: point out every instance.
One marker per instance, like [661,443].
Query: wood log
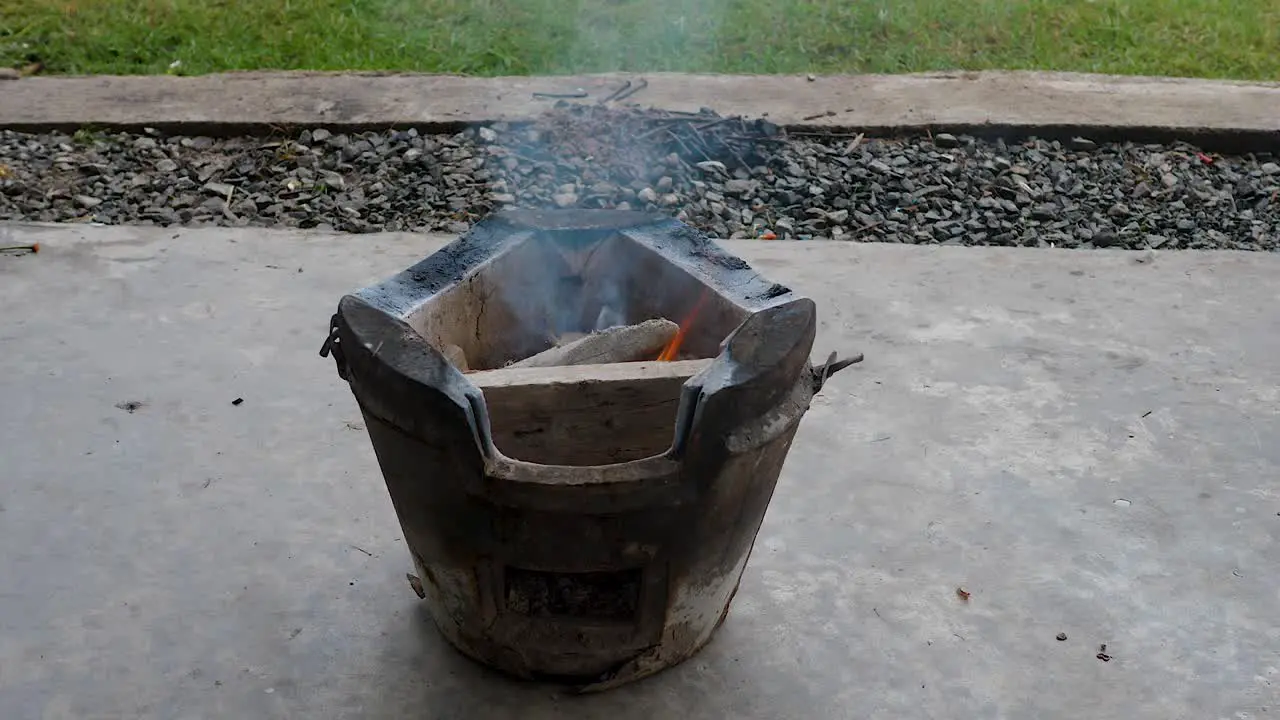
[630,343]
[455,355]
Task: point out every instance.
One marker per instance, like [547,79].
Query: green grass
[1206,38]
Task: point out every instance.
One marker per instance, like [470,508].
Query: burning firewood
[629,343]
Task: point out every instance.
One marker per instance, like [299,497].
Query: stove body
[593,531]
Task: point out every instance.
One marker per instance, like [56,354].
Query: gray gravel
[730,177]
[374,181]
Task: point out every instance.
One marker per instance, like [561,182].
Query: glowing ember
[669,352]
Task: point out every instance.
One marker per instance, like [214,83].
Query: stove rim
[369,318]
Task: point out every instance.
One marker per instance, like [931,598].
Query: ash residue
[452,262]
[728,262]
[776,290]
[703,248]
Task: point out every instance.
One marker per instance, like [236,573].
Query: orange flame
[669,352]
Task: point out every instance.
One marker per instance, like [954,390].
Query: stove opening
[648,324]
[600,596]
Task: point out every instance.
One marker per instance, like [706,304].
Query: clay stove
[587,523]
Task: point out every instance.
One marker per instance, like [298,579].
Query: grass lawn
[1208,38]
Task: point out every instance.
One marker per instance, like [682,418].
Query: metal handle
[831,367]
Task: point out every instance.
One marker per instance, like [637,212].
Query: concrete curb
[1222,115]
[57,237]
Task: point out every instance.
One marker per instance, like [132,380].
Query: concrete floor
[1085,443]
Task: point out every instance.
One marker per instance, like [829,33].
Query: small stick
[562,96]
[823,134]
[713,123]
[654,131]
[613,95]
[748,138]
[865,228]
[676,119]
[32,248]
[629,91]
[686,147]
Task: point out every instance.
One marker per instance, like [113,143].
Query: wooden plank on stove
[585,414]
[513,376]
